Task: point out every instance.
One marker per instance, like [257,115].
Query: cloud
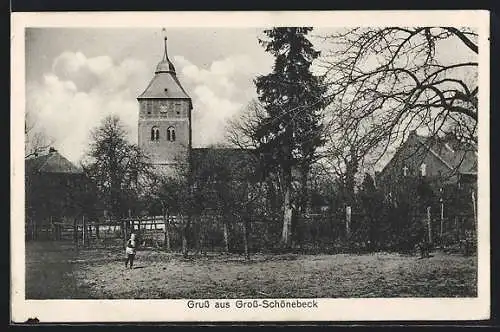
[79,92]
[211,115]
[219,92]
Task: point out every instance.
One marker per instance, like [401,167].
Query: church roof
[165,83]
[52,162]
[239,162]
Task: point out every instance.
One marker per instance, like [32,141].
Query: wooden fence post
[429,225]
[52,231]
[75,231]
[124,230]
[474,234]
[184,236]
[245,239]
[84,232]
[97,228]
[89,232]
[441,230]
[167,231]
[348,213]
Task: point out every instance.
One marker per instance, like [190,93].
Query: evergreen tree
[291,130]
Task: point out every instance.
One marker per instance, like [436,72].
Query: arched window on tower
[170,134]
[155,134]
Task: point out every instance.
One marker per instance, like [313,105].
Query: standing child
[130,251]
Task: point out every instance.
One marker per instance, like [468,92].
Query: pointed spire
[165,66]
[164,31]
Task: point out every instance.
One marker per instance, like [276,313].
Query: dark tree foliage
[290,131]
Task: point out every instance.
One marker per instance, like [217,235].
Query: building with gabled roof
[52,162]
[442,160]
[55,188]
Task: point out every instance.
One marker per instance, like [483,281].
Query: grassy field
[58,271]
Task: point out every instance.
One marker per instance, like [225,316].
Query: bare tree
[119,169]
[35,139]
[241,130]
[385,82]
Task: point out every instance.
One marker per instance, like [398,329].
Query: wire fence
[327,232]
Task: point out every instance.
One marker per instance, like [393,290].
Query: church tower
[165,119]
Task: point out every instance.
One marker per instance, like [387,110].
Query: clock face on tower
[163,108]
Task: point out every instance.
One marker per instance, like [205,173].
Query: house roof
[242,163]
[454,154]
[238,161]
[52,162]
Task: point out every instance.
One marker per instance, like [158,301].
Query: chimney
[52,149]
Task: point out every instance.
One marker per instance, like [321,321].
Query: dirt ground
[58,271]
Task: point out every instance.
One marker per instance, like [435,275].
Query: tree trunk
[304,207]
[226,236]
[441,229]
[245,239]
[348,214]
[184,237]
[287,216]
[429,225]
[271,192]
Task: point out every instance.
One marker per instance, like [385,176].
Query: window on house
[155,134]
[170,134]
[423,169]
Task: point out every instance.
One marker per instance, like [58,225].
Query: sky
[75,77]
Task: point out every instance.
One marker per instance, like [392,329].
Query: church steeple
[164,124]
[165,65]
[165,83]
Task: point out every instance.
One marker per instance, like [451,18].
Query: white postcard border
[177,310]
